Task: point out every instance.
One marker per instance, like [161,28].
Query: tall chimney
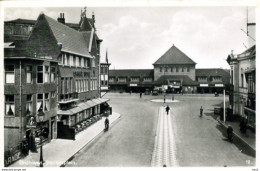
[61,19]
[93,17]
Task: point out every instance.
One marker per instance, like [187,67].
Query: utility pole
[224,117]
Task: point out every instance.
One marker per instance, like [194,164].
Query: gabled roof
[214,72]
[72,41]
[131,73]
[186,81]
[174,56]
[21,21]
[250,52]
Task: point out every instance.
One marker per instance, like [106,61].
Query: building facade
[173,72]
[53,72]
[104,75]
[243,80]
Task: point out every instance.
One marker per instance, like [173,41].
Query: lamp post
[41,118]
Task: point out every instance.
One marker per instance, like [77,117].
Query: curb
[71,158]
[250,148]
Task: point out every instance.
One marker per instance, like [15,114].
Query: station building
[174,71]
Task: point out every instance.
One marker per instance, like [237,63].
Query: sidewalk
[59,151]
[248,140]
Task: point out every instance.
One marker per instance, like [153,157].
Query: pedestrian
[167,109]
[230,133]
[164,99]
[172,97]
[106,124]
[140,95]
[201,111]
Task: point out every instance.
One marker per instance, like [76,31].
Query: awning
[83,106]
[65,112]
[103,100]
[96,101]
[76,110]
[91,103]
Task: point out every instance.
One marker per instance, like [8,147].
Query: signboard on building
[11,158]
[133,85]
[31,122]
[219,85]
[204,85]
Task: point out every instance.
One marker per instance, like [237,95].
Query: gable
[41,42]
[174,56]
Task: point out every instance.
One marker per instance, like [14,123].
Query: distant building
[104,75]
[174,72]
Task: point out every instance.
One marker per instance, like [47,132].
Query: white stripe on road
[164,148]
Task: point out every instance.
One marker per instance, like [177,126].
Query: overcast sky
[137,36]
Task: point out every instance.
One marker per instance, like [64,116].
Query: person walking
[106,124]
[140,95]
[167,109]
[164,99]
[201,111]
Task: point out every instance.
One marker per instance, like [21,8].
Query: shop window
[39,74]
[28,104]
[9,105]
[29,74]
[47,74]
[39,102]
[47,102]
[53,71]
[9,74]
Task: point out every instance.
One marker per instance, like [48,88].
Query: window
[134,79]
[93,62]
[39,74]
[77,61]
[86,63]
[160,69]
[76,86]
[63,59]
[182,69]
[147,79]
[53,71]
[47,74]
[171,69]
[177,69]
[111,79]
[71,85]
[242,80]
[53,94]
[28,104]
[29,74]
[87,85]
[188,69]
[166,69]
[9,105]
[39,102]
[71,60]
[67,59]
[9,74]
[82,62]
[47,102]
[74,61]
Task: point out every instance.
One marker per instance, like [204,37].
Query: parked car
[155,92]
[147,92]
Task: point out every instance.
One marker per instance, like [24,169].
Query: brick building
[53,69]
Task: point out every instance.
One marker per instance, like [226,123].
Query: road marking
[164,148]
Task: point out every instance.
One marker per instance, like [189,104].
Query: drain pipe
[20,107]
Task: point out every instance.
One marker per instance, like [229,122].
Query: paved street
[131,141]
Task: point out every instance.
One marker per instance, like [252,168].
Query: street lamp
[41,118]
